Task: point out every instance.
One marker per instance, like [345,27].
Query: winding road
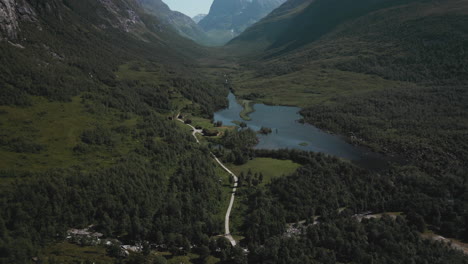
[227,233]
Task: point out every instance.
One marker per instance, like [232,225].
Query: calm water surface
[289,133]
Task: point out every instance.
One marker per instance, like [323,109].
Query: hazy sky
[190,7]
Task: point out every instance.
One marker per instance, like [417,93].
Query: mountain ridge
[181,23]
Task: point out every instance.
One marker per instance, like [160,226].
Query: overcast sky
[190,7]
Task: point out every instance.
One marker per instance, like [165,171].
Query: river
[291,134]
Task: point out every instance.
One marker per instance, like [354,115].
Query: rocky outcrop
[12,13]
[123,14]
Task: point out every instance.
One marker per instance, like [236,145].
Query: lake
[291,134]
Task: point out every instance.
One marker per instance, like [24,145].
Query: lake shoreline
[289,133]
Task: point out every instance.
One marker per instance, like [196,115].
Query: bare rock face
[12,12]
[125,14]
[8,19]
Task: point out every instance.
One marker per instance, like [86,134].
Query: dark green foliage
[97,136]
[404,43]
[243,139]
[238,146]
[322,16]
[21,145]
[210,132]
[323,185]
[157,192]
[404,120]
[420,53]
[319,189]
[159,260]
[265,130]
[424,125]
[343,240]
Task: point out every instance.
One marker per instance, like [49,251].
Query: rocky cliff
[119,14]
[12,12]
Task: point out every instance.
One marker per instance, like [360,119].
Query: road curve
[227,233]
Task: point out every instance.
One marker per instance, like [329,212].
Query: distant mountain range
[198,17]
[228,18]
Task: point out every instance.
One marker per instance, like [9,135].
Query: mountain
[333,33]
[182,23]
[198,17]
[228,18]
[87,89]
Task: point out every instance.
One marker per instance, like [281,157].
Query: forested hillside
[85,139]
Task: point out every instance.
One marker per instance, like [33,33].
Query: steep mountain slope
[267,30]
[182,23]
[229,18]
[417,41]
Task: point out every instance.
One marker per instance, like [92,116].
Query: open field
[67,253]
[271,168]
[43,135]
[306,87]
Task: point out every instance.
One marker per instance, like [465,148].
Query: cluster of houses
[87,237]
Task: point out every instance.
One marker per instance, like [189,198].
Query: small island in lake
[265,130]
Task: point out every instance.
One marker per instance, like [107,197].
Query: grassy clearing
[453,243]
[137,71]
[206,123]
[306,87]
[271,168]
[247,108]
[70,253]
[57,127]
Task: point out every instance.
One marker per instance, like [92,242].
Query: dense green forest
[159,189]
[342,240]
